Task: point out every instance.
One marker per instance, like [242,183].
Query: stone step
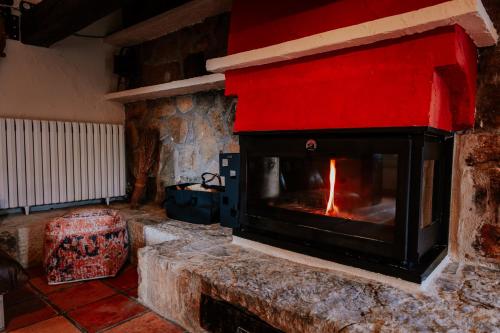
[22,236]
[192,260]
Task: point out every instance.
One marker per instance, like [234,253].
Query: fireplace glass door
[353,195]
[342,192]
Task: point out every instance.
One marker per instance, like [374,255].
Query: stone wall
[182,54]
[193,128]
[475,224]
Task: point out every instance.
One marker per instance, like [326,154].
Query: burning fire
[331,209]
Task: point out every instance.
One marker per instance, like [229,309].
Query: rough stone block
[488,241]
[488,98]
[174,129]
[163,107]
[297,298]
[475,199]
[184,103]
[22,237]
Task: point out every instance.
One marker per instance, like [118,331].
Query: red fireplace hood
[426,79]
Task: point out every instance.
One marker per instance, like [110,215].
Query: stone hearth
[192,260]
[22,236]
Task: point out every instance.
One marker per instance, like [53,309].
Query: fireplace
[346,115]
[371,198]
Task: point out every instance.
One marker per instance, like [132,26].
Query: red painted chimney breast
[426,79]
[260,23]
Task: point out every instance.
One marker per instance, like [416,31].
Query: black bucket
[200,207]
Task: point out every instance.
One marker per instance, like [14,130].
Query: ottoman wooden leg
[2,314]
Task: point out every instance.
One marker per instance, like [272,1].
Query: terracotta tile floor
[106,305]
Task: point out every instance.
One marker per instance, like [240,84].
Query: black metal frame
[411,250]
[229,170]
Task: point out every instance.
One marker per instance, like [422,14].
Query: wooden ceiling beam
[185,15]
[53,20]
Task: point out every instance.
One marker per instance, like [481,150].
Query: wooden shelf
[174,88]
[193,12]
[469,14]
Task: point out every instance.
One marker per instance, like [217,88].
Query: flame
[331,209]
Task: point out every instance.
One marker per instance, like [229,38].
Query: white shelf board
[169,89]
[469,14]
[188,14]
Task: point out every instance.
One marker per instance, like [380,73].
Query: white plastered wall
[64,82]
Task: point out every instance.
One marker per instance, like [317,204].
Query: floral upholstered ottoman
[85,244]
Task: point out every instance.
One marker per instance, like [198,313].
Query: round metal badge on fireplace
[311,145]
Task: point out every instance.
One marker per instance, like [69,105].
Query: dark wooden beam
[182,16]
[53,20]
[135,11]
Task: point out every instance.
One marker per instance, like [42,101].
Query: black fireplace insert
[377,199]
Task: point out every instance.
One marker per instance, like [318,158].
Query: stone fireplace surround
[187,261]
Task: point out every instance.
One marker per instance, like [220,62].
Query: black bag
[200,207]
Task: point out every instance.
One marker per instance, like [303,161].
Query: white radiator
[49,162]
